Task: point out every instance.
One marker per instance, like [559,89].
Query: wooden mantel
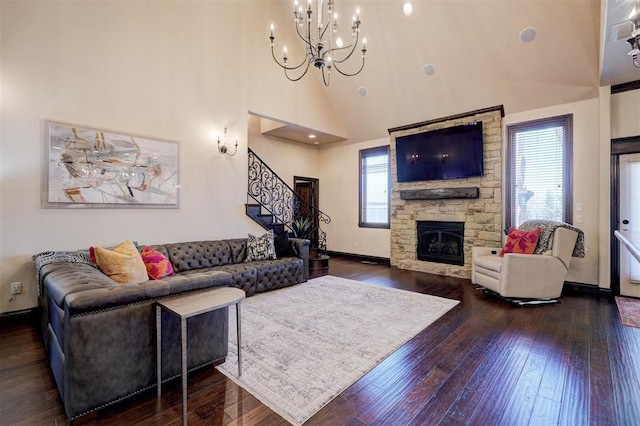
[439,193]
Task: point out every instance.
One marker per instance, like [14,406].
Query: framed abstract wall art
[90,167]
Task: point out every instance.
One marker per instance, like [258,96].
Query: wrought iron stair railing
[274,205]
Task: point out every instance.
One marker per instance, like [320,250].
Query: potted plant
[302,227]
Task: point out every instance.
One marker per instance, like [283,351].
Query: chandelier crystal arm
[352,46]
[301,75]
[346,74]
[284,65]
[311,49]
[326,78]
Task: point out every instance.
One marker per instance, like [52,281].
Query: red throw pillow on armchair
[523,242]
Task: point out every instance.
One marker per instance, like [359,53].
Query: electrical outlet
[16,288]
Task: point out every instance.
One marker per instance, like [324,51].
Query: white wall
[172,70]
[339,191]
[287,159]
[586,177]
[625,114]
[604,188]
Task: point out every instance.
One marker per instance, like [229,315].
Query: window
[374,187]
[539,163]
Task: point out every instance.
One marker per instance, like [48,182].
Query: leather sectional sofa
[100,336]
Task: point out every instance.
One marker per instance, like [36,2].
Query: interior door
[308,191]
[629,223]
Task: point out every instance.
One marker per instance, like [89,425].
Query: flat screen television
[450,153]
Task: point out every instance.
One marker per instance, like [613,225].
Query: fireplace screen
[441,242]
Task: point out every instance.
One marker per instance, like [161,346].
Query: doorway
[629,222]
[308,190]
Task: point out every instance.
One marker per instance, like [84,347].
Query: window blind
[374,186]
[539,171]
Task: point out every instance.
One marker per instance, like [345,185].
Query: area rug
[629,310]
[303,345]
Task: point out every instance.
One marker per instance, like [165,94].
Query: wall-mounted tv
[450,153]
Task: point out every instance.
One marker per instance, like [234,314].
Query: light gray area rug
[303,345]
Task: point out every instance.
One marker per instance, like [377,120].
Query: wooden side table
[189,306]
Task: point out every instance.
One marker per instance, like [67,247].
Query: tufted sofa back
[205,254]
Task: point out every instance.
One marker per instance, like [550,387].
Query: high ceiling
[478,57]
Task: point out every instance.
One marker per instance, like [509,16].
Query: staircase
[274,205]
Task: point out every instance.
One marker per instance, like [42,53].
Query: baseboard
[362,258]
[577,287]
[19,317]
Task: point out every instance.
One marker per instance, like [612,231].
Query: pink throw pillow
[157,264]
[523,242]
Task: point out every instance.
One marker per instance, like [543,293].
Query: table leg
[239,338]
[183,334]
[159,349]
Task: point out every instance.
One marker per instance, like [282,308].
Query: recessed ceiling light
[407,8]
[429,69]
[312,136]
[362,91]
[528,34]
[316,143]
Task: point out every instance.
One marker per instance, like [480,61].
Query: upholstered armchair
[525,278]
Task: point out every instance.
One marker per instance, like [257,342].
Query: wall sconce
[222,145]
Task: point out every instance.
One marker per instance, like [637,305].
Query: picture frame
[89,167]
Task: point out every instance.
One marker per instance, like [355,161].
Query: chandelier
[324,48]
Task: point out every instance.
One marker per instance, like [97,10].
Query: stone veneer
[482,216]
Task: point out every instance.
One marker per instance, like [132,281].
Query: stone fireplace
[476,203]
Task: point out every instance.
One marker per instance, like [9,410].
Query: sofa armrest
[300,248]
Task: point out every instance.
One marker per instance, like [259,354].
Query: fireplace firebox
[441,242]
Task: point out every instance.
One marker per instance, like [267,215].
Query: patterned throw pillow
[157,264]
[123,264]
[260,248]
[523,242]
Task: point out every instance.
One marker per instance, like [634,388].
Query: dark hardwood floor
[484,363]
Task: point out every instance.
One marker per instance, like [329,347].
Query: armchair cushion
[523,242]
[492,265]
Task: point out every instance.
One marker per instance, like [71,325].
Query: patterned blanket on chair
[546,233]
